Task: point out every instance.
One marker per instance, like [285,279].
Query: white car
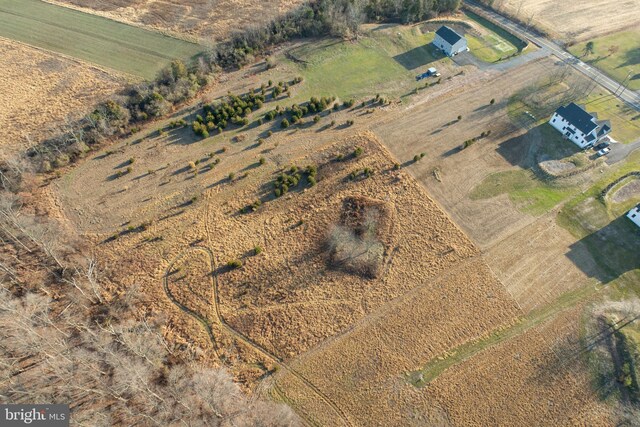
[603,152]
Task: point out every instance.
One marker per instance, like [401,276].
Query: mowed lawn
[104,42]
[495,44]
[385,61]
[622,62]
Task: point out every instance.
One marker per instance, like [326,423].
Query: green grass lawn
[617,65]
[625,121]
[612,239]
[105,42]
[527,192]
[496,44]
[383,61]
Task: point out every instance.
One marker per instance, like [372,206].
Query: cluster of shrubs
[296,112]
[365,173]
[234,109]
[470,142]
[291,178]
[357,152]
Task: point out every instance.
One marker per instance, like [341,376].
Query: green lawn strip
[432,370]
[507,36]
[102,41]
[617,64]
[526,191]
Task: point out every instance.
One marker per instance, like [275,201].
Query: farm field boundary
[98,40]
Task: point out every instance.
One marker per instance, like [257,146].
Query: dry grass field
[203,20]
[39,90]
[575,21]
[334,296]
[537,378]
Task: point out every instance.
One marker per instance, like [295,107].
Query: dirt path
[213,277]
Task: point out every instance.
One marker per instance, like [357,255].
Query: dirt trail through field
[213,277]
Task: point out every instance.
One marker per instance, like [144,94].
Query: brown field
[203,20]
[336,343]
[40,90]
[578,20]
[496,224]
[363,370]
[537,378]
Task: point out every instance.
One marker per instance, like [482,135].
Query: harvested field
[538,378]
[450,173]
[534,263]
[51,88]
[200,19]
[364,369]
[124,48]
[573,21]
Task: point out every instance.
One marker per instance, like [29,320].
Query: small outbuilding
[634,215]
[450,42]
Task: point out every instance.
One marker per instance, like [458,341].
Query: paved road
[630,97]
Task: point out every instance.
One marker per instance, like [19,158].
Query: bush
[349,103]
[416,158]
[231,176]
[396,166]
[316,119]
[358,152]
[284,123]
[257,250]
[350,122]
[262,160]
[459,118]
[234,264]
[493,101]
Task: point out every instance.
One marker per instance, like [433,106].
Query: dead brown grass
[39,90]
[576,21]
[200,19]
[537,378]
[364,369]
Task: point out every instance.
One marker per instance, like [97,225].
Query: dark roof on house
[449,35]
[578,117]
[605,127]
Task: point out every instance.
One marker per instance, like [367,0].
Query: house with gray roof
[579,126]
[450,42]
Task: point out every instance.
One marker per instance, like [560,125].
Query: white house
[450,42]
[634,215]
[576,124]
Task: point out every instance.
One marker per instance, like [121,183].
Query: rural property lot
[200,19]
[39,90]
[121,47]
[575,20]
[451,174]
[617,54]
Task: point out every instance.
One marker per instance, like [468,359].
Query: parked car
[602,146]
[430,72]
[603,152]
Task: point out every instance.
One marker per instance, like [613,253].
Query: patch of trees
[291,178]
[296,112]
